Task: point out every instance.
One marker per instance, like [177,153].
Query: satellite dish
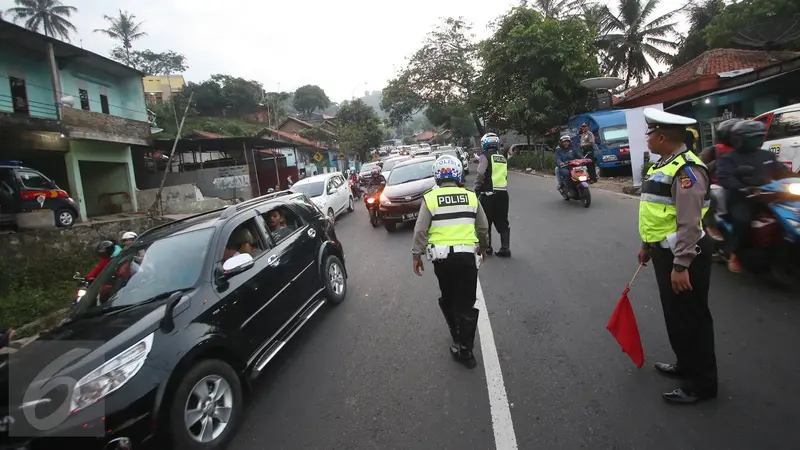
[68,100]
[602,83]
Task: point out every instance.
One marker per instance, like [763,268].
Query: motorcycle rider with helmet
[376,179]
[710,155]
[564,153]
[745,137]
[491,184]
[106,250]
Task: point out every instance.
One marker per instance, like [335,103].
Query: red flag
[622,326]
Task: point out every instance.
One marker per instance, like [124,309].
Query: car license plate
[411,216]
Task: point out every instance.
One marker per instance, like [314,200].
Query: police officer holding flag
[491,183]
[675,197]
[452,231]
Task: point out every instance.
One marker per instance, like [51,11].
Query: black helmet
[105,248]
[724,131]
[742,133]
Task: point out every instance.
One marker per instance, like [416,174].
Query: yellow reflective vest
[453,212]
[499,172]
[657,213]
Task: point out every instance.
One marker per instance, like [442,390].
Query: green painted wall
[118,180]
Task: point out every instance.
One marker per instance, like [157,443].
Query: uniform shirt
[689,191]
[424,223]
[587,139]
[483,170]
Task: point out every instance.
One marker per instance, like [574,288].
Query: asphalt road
[375,372]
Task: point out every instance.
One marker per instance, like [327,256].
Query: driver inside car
[277,225]
[241,241]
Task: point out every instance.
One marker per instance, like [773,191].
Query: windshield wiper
[120,308]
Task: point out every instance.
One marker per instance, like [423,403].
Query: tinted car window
[246,238]
[388,165]
[310,190]
[784,125]
[147,271]
[33,180]
[281,223]
[411,172]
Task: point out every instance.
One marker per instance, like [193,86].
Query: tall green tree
[150,62]
[700,16]
[634,37]
[765,20]
[532,68]
[223,96]
[442,72]
[310,98]
[48,15]
[559,9]
[125,29]
[360,128]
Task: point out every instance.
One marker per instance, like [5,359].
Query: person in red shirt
[106,250]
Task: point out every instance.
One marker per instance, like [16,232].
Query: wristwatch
[678,268]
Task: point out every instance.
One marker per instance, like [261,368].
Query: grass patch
[535,160]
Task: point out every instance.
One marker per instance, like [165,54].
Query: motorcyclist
[106,250]
[127,239]
[746,138]
[376,180]
[710,155]
[564,153]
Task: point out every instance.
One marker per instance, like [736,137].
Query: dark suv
[174,328]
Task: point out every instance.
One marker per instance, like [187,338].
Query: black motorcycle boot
[505,242]
[450,318]
[467,328]
[489,249]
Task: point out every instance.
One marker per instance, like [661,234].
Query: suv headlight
[794,188]
[385,200]
[110,376]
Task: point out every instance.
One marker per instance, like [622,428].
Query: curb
[543,175]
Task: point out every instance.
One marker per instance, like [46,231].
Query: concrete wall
[221,182]
[180,199]
[33,68]
[100,152]
[125,94]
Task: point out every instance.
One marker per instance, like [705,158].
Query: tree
[442,72]
[532,70]
[558,9]
[633,38]
[694,44]
[224,96]
[278,105]
[49,15]
[359,128]
[771,17]
[319,135]
[125,29]
[309,98]
[150,62]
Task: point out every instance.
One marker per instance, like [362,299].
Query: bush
[541,161]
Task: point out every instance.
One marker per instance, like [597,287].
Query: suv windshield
[387,166]
[411,172]
[147,272]
[618,134]
[310,190]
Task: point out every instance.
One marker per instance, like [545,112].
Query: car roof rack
[179,221]
[230,211]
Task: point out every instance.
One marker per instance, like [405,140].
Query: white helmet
[565,138]
[129,236]
[447,167]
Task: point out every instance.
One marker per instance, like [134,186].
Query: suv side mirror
[235,265]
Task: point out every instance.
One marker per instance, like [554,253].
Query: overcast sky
[344,46]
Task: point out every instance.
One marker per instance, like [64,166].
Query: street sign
[341,155]
[318,157]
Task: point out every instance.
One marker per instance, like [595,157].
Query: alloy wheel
[208,409]
[336,278]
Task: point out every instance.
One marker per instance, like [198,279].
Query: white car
[783,134]
[330,192]
[390,163]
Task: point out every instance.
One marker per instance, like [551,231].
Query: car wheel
[331,215]
[389,225]
[351,205]
[65,218]
[334,279]
[206,407]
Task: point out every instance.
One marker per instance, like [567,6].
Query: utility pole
[157,204]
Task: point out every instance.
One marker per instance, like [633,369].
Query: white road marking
[504,437]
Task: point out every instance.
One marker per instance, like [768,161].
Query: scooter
[83,284]
[577,188]
[774,241]
[372,201]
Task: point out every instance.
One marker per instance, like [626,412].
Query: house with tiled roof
[722,83]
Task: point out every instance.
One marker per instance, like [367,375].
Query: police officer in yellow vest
[675,196]
[451,230]
[491,184]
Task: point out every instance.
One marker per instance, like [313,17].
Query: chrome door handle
[312,232]
[272,260]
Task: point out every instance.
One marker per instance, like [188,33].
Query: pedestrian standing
[675,197]
[452,230]
[491,184]
[587,148]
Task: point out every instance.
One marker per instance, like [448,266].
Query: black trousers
[740,212]
[590,167]
[458,281]
[689,323]
[495,207]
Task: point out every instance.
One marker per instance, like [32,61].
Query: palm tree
[694,44]
[49,15]
[558,9]
[632,39]
[125,29]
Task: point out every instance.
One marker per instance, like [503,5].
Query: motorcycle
[372,202]
[577,188]
[83,284]
[774,241]
[355,188]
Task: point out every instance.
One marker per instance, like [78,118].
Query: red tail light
[33,194]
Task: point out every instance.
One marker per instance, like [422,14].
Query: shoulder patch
[686,180]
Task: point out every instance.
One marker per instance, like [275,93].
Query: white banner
[637,129]
[289,154]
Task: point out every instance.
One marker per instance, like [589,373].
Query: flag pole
[634,275]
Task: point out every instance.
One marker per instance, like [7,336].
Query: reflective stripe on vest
[499,172]
[657,213]
[453,212]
